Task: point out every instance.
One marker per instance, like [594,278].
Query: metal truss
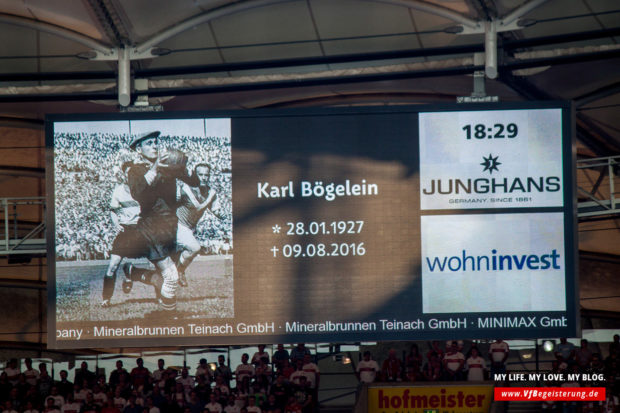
[23,225]
[596,186]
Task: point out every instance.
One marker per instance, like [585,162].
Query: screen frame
[570,222]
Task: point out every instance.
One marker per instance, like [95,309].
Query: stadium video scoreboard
[344,224]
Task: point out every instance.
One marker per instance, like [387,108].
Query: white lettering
[69,333]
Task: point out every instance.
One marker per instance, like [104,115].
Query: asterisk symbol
[490,164]
[276,229]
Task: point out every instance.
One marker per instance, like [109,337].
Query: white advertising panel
[491,159]
[493,263]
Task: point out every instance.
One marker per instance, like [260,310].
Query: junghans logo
[493,185]
[490,164]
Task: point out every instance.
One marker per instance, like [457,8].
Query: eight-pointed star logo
[490,164]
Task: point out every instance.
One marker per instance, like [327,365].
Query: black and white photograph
[143,220]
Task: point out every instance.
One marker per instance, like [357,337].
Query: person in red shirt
[391,370]
[140,374]
[413,364]
[436,349]
[292,406]
[286,369]
[109,407]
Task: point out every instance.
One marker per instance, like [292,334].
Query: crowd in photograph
[283,382]
[86,168]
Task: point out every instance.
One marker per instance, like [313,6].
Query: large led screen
[364,224]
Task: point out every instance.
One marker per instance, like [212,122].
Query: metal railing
[597,185]
[22,226]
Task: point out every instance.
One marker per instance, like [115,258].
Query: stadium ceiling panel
[205,54]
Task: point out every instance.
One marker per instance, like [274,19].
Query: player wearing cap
[153,185]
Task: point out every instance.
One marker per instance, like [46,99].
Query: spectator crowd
[85,165]
[286,382]
[453,363]
[258,384]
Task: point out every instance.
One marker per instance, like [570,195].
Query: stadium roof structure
[108,55]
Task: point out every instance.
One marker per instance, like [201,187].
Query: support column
[124,77]
[490,49]
[479,86]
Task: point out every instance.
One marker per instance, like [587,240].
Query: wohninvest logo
[491,159]
[493,263]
